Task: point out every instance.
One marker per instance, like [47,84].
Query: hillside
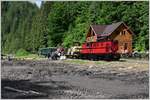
[25,26]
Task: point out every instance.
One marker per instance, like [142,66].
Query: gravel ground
[124,79]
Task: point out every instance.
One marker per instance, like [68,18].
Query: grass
[23,54]
[76,61]
[29,56]
[101,62]
[71,61]
[83,62]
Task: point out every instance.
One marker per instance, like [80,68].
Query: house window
[93,34]
[120,33]
[123,32]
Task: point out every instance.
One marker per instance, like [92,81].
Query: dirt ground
[45,79]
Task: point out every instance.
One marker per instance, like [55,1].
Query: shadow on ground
[45,91]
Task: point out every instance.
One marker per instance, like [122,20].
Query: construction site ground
[75,79]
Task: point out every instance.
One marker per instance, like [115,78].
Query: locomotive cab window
[88,45]
[94,45]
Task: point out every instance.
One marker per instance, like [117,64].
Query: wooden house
[116,31]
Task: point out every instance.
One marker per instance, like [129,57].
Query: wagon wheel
[116,56]
[137,55]
[108,57]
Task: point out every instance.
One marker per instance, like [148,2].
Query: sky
[38,3]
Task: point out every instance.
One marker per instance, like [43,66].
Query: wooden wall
[124,38]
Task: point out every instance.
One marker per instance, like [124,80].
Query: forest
[24,26]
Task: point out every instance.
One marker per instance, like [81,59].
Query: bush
[22,52]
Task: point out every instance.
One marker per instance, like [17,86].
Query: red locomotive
[100,50]
[105,42]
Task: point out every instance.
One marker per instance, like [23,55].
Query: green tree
[25,26]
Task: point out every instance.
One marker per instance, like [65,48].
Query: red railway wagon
[99,50]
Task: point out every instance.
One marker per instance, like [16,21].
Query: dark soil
[59,80]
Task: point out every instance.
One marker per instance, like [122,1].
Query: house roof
[106,29]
